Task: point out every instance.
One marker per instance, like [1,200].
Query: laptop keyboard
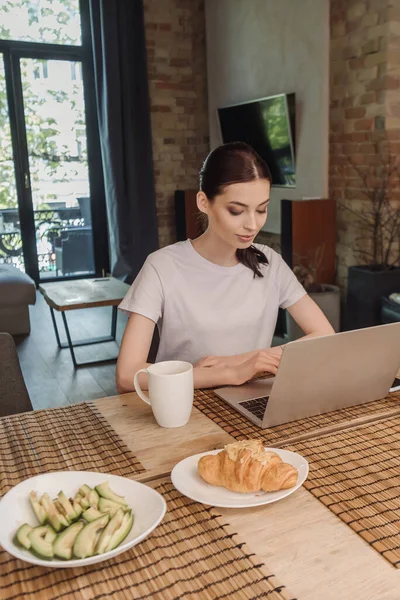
[256,407]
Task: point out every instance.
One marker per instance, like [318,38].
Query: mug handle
[138,389]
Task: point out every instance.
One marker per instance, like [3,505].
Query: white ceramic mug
[170,391]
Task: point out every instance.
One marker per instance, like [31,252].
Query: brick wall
[364,93]
[364,110]
[176,55]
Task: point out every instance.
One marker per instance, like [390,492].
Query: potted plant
[327,296]
[376,218]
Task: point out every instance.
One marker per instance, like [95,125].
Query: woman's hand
[219,361]
[260,361]
[236,359]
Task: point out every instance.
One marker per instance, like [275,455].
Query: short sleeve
[290,289]
[145,296]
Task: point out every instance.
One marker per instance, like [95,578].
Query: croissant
[246,467]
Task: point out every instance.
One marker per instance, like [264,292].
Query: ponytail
[252,258]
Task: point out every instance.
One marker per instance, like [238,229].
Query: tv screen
[268,125]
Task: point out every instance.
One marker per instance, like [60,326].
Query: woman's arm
[237,359]
[224,372]
[307,315]
[135,346]
[310,318]
[133,355]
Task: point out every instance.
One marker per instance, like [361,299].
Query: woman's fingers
[266,358]
[268,366]
[266,361]
[262,361]
[275,351]
[209,361]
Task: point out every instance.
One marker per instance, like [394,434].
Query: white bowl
[148,508]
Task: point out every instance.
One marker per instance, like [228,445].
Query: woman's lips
[245,238]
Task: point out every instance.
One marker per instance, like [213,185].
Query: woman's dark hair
[236,162]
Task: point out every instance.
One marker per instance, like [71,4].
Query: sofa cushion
[16,287]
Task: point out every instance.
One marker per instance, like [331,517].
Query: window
[47,81]
[48,21]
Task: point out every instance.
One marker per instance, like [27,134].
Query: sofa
[17,292]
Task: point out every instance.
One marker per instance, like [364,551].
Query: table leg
[55,327]
[114,322]
[85,342]
[70,346]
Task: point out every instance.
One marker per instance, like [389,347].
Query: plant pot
[366,286]
[329,302]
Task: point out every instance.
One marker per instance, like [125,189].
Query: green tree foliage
[48,22]
[7,180]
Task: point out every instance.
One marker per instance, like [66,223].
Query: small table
[84,293]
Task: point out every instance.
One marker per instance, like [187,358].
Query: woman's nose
[251,224]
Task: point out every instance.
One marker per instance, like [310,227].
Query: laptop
[319,375]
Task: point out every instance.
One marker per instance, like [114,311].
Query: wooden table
[316,555]
[84,293]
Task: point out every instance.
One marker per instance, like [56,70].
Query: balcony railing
[49,223]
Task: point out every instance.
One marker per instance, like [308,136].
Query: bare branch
[377,219]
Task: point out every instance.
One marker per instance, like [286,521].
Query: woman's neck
[212,248]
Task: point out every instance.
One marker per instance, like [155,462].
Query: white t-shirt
[204,309]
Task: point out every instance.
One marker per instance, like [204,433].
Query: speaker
[308,236]
[187,215]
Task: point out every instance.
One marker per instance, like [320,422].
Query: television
[268,125]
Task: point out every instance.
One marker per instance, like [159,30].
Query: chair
[75,253]
[84,205]
[14,397]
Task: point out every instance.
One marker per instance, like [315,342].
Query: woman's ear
[202,202]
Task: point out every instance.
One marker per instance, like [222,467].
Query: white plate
[189,483]
[148,507]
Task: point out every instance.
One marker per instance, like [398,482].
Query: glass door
[55,126]
[52,201]
[10,229]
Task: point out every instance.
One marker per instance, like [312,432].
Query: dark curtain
[119,53]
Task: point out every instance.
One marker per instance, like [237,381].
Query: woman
[215,299]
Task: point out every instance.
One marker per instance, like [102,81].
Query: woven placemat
[191,555]
[356,474]
[74,437]
[241,428]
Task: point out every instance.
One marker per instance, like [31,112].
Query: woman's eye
[262,212]
[235,213]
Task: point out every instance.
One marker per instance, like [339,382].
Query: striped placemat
[356,474]
[74,437]
[191,555]
[241,428]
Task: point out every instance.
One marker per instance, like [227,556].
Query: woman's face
[237,215]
